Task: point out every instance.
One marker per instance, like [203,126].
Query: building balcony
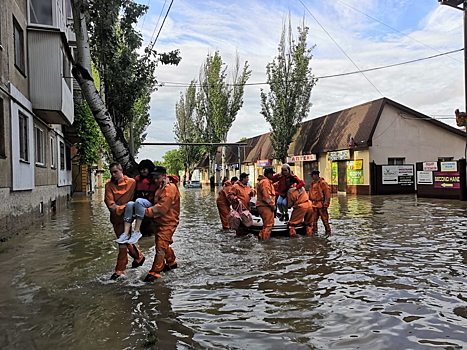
[50,82]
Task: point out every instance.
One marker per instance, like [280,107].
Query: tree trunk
[82,73]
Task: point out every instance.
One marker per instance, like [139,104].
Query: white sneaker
[135,236]
[123,238]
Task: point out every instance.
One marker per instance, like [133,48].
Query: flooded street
[392,276]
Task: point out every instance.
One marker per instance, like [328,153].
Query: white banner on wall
[425,177]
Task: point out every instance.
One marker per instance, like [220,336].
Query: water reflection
[392,276]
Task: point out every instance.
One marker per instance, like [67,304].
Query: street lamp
[461,5]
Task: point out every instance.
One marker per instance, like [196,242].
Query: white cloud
[433,87]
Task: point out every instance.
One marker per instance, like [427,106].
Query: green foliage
[93,143]
[290,82]
[173,161]
[218,102]
[187,129]
[127,77]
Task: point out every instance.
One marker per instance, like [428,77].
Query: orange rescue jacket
[266,194]
[166,209]
[240,192]
[119,193]
[320,193]
[298,199]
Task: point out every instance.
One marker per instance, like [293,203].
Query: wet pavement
[392,276]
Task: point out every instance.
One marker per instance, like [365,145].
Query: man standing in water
[241,192]
[320,197]
[266,203]
[166,214]
[119,190]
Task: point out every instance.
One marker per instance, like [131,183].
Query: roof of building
[330,132]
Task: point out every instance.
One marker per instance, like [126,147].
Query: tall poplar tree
[290,83]
[187,129]
[218,102]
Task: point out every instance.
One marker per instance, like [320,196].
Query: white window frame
[52,153]
[53,10]
[39,142]
[23,121]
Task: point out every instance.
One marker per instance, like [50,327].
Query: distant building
[352,147]
[36,109]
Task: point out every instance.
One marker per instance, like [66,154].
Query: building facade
[36,105]
[352,147]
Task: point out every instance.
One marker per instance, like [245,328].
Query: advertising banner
[354,175]
[398,175]
[339,155]
[334,174]
[263,163]
[430,166]
[425,177]
[447,180]
[302,158]
[448,166]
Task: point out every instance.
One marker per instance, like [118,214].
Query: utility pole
[462,5]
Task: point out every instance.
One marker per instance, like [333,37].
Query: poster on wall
[425,177]
[430,166]
[447,180]
[398,175]
[355,172]
[334,173]
[448,166]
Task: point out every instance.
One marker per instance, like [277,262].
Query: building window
[18,40]
[62,156]
[40,149]
[52,152]
[2,130]
[68,158]
[396,161]
[40,12]
[66,70]
[23,137]
[445,159]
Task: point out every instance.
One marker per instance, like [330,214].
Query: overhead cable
[162,25]
[335,42]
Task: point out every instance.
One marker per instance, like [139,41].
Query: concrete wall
[400,135]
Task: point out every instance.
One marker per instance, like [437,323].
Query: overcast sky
[368,33]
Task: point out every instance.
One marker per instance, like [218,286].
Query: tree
[127,79]
[217,102]
[173,161]
[187,129]
[290,83]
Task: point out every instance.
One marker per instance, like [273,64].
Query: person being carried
[282,189]
[298,200]
[144,198]
[320,197]
[241,192]
[223,204]
[166,213]
[119,190]
[266,203]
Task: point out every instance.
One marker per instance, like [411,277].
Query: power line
[176,84]
[144,18]
[162,25]
[157,23]
[374,19]
[335,42]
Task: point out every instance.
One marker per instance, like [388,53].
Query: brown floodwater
[393,275]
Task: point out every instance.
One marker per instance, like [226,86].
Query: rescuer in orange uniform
[298,200]
[241,192]
[320,197]
[223,204]
[166,214]
[119,190]
[266,203]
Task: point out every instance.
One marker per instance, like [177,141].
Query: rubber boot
[309,231]
[292,232]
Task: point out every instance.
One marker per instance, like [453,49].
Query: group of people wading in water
[153,194]
[275,194]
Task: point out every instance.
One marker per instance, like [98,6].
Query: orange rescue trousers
[124,250]
[267,214]
[224,211]
[299,215]
[164,253]
[316,213]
